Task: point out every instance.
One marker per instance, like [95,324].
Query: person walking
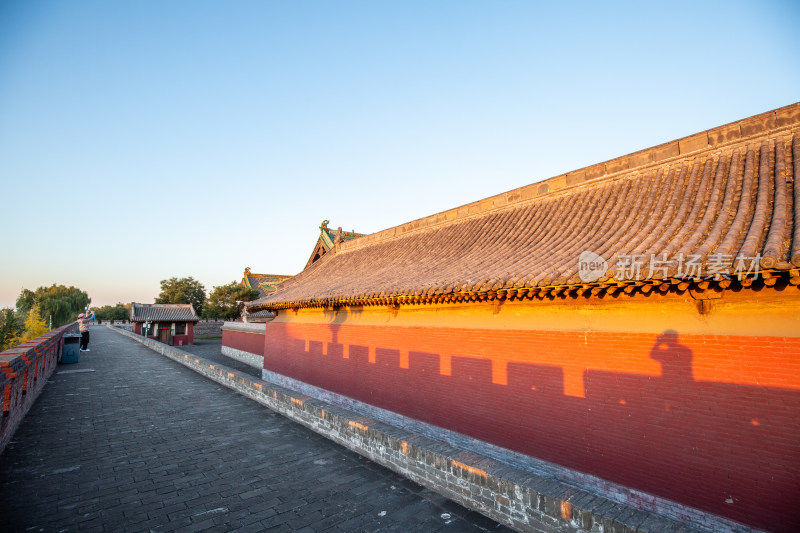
[83,327]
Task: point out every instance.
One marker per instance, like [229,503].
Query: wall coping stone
[250,327]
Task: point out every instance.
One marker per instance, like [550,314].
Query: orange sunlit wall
[710,421]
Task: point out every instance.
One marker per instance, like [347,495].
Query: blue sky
[145,140]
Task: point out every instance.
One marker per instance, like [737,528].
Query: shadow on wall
[729,449]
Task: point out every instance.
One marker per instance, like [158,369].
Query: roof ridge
[721,138]
[162,305]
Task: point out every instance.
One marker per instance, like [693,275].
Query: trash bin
[70,344]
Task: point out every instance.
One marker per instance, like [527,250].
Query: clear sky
[145,140]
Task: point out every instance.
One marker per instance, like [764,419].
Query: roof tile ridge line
[434,225]
[389,233]
[292,281]
[526,202]
[552,195]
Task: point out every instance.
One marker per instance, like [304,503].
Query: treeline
[120,311]
[16,328]
[36,311]
[224,302]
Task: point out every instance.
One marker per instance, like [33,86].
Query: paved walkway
[128,440]
[212,350]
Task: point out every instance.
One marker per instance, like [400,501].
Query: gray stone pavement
[128,440]
[212,350]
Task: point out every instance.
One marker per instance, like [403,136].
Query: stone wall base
[252,359]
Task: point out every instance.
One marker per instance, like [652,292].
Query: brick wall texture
[24,370]
[707,421]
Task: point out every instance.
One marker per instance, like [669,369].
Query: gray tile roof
[163,313]
[724,197]
[260,316]
[263,283]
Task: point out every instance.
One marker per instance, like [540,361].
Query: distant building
[245,341]
[263,283]
[328,239]
[171,324]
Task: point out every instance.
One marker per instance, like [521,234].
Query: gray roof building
[163,313]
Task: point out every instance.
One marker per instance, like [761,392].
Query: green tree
[11,327]
[222,302]
[62,303]
[57,301]
[182,291]
[26,300]
[35,326]
[118,312]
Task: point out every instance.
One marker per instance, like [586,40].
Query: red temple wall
[706,420]
[247,341]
